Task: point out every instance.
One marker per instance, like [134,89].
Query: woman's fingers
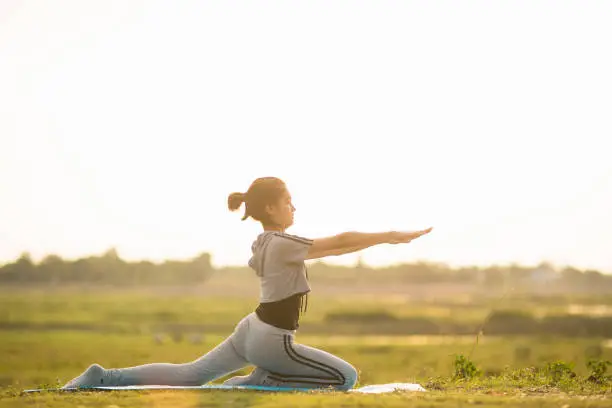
[425,231]
[406,237]
[421,232]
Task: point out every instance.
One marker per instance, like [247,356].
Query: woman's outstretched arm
[348,242]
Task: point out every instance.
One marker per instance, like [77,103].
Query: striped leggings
[279,361]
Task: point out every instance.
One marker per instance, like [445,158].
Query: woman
[265,337]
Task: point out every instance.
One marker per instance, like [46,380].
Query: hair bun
[235,200]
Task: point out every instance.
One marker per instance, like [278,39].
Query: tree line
[109,268]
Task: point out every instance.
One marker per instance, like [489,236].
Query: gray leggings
[278,359]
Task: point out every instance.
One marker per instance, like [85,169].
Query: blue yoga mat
[368,389]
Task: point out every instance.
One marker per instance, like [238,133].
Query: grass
[257,399]
[43,357]
[507,371]
[135,311]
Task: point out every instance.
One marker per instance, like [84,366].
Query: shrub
[465,368]
[598,370]
[559,370]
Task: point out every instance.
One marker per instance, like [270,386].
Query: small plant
[436,383]
[598,370]
[465,368]
[10,391]
[558,370]
[527,374]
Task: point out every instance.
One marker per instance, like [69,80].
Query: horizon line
[557,266]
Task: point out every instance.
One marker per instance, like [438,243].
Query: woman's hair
[262,192]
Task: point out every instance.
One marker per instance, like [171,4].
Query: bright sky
[127,123]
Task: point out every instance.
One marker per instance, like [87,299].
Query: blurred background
[125,125]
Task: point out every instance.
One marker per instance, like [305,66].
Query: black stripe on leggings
[272,377]
[333,380]
[330,367]
[291,377]
[333,377]
[322,380]
[333,371]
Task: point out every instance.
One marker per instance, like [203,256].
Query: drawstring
[304,302]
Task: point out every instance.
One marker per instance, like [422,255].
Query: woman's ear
[269,209]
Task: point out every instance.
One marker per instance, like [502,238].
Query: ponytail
[235,200]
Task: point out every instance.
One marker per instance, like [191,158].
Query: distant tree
[572,276]
[52,269]
[493,277]
[25,268]
[593,278]
[22,270]
[51,260]
[111,254]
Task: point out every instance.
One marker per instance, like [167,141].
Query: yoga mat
[367,389]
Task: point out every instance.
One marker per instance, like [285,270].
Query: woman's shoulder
[285,237]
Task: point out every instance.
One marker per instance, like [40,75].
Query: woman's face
[281,213]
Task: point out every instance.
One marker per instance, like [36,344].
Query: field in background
[48,336]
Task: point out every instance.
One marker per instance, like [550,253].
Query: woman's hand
[348,242]
[400,237]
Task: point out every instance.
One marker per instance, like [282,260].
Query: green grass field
[46,338]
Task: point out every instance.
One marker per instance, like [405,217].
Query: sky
[126,124]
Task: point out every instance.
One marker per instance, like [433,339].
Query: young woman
[265,337]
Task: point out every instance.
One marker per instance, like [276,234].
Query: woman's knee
[350,375]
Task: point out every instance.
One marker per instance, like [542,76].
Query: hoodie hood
[258,249]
